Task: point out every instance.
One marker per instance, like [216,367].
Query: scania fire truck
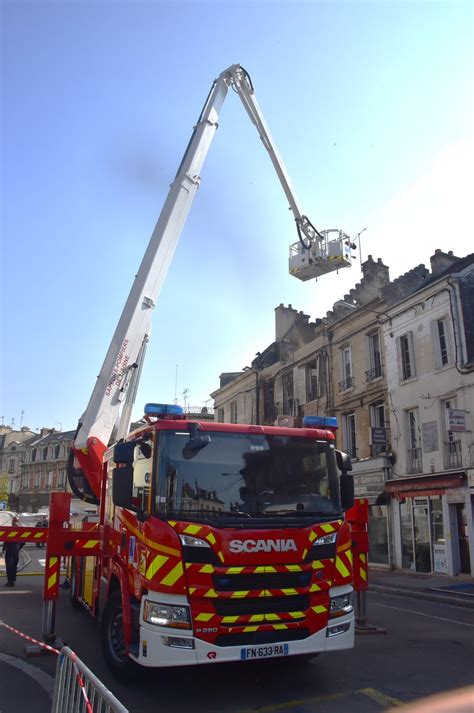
[218,542]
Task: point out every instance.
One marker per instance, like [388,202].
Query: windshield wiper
[300,513]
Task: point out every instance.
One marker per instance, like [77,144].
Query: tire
[112,639]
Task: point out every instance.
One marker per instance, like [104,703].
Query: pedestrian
[42,523]
[12,555]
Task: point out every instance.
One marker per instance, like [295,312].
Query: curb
[427,596]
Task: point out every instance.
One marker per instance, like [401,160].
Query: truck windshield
[240,476]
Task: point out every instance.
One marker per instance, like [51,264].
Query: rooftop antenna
[185,393]
[21,419]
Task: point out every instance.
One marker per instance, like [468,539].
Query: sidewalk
[24,687]
[435,587]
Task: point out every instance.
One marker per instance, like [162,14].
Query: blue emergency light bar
[319,422]
[163,410]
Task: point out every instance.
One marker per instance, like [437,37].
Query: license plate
[264,652]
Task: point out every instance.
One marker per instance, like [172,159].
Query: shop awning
[424,485]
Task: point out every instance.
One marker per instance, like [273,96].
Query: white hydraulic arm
[118,379]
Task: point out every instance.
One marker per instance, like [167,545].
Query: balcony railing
[414,460]
[374,373]
[346,383]
[453,454]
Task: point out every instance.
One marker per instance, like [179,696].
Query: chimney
[285,318]
[441,261]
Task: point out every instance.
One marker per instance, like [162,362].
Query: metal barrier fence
[77,690]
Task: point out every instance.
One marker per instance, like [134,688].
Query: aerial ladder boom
[117,382]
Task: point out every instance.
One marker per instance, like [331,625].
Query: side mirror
[124,452]
[346,481]
[122,486]
[346,484]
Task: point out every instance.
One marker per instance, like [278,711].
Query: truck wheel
[112,638]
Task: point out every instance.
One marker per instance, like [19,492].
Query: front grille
[253,638]
[260,605]
[272,580]
[322,552]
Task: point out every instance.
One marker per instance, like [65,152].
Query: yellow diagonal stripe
[239,595]
[207,569]
[210,538]
[229,619]
[173,576]
[211,593]
[155,565]
[320,609]
[52,580]
[204,617]
[192,529]
[234,570]
[341,567]
[91,543]
[328,528]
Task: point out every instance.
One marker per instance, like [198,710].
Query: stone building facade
[337,366]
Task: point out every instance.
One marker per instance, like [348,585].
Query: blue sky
[370,105]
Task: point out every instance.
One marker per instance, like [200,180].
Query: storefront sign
[455,420]
[455,496]
[439,557]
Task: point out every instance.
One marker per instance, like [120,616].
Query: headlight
[341,605]
[326,539]
[176,617]
[189,541]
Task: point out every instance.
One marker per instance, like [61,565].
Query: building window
[374,357]
[33,454]
[441,350]
[443,345]
[312,385]
[414,453]
[45,453]
[11,465]
[378,429]
[233,412]
[287,385]
[349,434]
[56,451]
[347,381]
[61,478]
[269,411]
[220,415]
[406,356]
[452,445]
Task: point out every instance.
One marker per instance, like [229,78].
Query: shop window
[378,534]
[406,528]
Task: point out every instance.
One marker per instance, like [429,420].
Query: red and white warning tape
[53,650]
[30,638]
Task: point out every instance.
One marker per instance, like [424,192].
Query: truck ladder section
[315,254]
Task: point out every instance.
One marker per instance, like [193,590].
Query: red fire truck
[216,542]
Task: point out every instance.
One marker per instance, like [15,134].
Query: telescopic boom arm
[117,382]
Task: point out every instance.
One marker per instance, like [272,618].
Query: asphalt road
[428,648]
